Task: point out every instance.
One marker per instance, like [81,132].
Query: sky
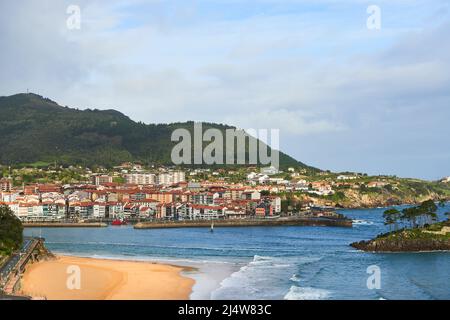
[344,96]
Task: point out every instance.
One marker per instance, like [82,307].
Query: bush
[11,231]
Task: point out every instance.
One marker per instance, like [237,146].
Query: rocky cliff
[354,199]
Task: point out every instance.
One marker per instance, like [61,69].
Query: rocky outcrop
[435,237]
[403,245]
[355,199]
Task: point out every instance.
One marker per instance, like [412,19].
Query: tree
[388,219]
[391,217]
[428,211]
[10,231]
[420,215]
[410,215]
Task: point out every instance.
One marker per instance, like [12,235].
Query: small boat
[118,222]
[212,227]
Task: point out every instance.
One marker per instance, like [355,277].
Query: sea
[259,263]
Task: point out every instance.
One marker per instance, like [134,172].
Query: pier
[288,221]
[11,271]
[64,225]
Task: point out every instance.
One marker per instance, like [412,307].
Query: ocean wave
[306,293]
[363,222]
[155,259]
[260,278]
[167,246]
[295,278]
[257,258]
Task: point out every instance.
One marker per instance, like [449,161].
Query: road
[13,261]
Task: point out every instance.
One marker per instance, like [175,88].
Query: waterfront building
[203,212]
[264,209]
[235,213]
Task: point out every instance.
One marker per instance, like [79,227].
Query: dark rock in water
[402,245]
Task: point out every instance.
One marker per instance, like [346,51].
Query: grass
[38,164]
[3,258]
[417,233]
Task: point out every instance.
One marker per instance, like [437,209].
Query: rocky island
[423,234]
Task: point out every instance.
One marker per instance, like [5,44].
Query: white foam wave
[256,279]
[362,222]
[295,278]
[156,259]
[306,293]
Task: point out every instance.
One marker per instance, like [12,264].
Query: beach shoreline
[105,279]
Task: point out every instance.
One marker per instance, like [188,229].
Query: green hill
[35,129]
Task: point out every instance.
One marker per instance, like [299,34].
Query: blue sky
[344,97]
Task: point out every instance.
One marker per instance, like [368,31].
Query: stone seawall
[64,225]
[247,223]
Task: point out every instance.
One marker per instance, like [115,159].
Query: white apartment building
[101,179]
[276,204]
[167,179]
[179,176]
[269,170]
[141,178]
[344,177]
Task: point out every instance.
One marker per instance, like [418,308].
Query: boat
[119,222]
[212,227]
[116,222]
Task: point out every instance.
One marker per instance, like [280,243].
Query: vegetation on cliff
[424,214]
[421,235]
[10,231]
[397,192]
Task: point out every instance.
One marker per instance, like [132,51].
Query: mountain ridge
[34,128]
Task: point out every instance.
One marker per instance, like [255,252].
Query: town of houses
[167,194]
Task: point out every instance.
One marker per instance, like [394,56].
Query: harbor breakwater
[326,222]
[64,225]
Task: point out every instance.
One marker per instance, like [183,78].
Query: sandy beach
[102,279]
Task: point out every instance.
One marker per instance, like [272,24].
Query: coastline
[64,225]
[238,264]
[104,279]
[207,274]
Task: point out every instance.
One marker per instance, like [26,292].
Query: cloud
[344,97]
